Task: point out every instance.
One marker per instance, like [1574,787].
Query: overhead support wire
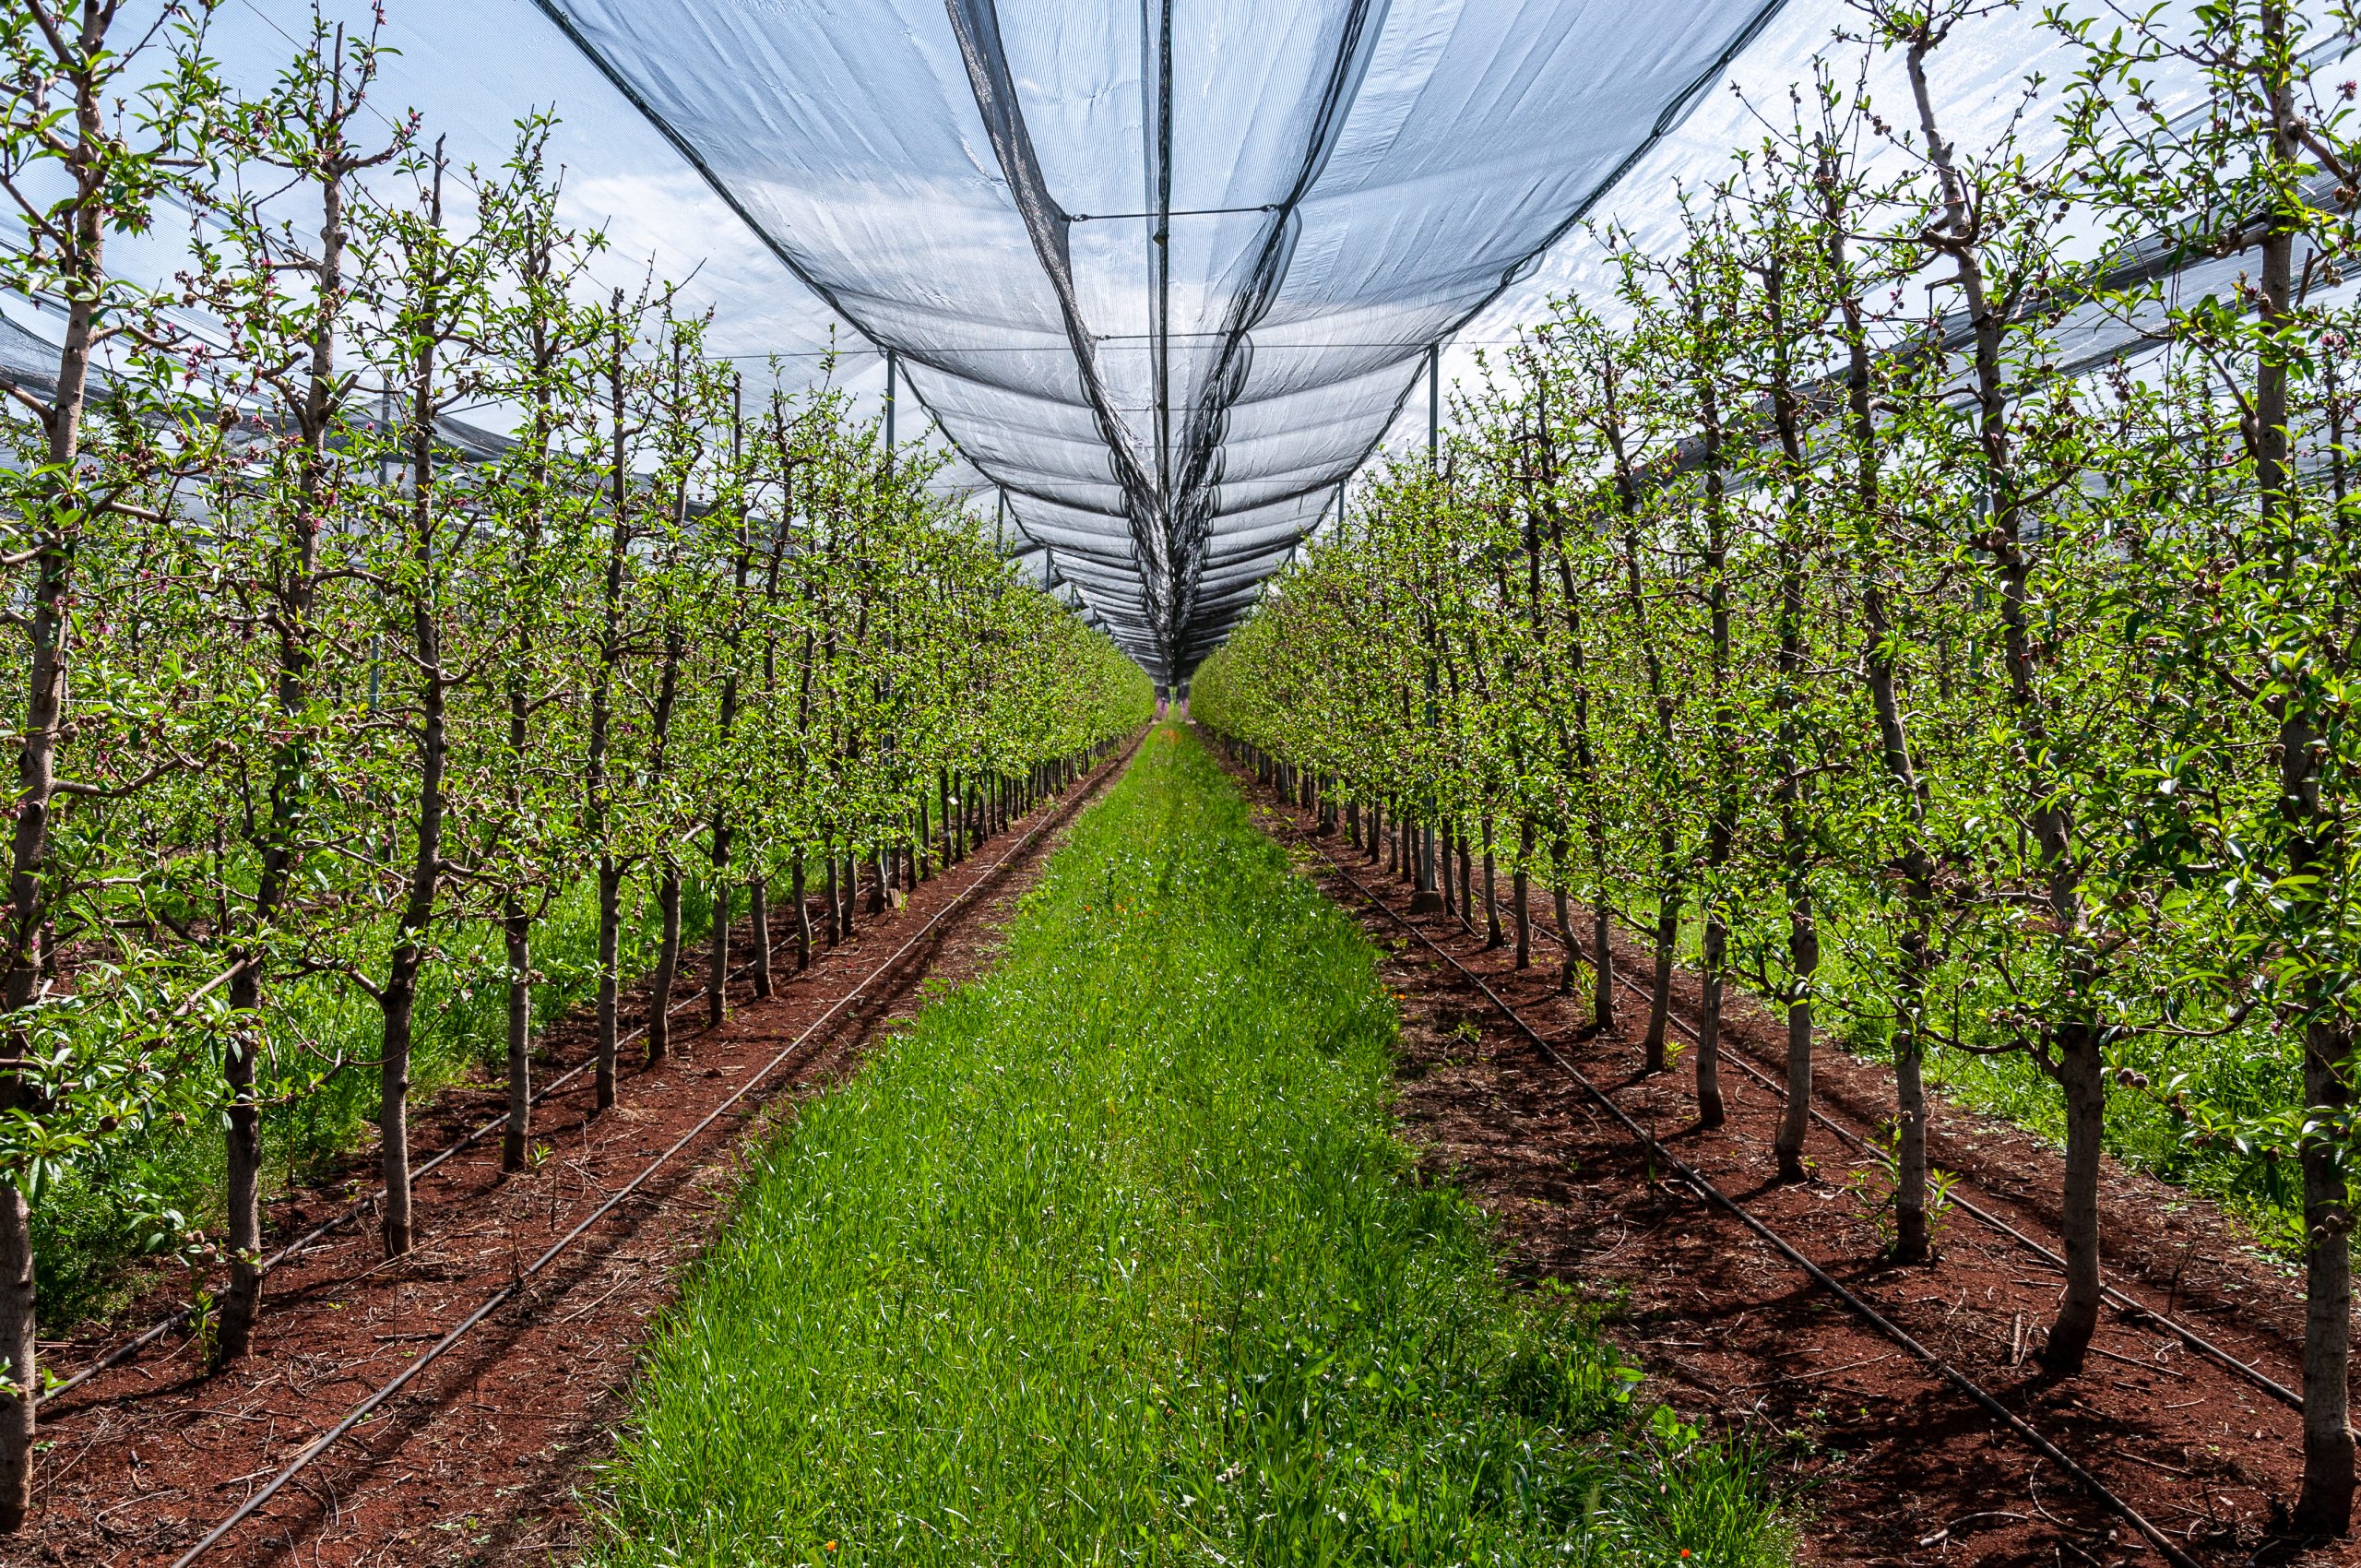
[1160,260]
[975,24]
[1434,406]
[1177,212]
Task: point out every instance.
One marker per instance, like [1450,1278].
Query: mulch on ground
[486,1456]
[1880,1461]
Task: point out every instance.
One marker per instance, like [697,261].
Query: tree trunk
[942,815]
[667,963]
[611,929]
[2081,1073]
[1426,898]
[396,1005]
[1521,893]
[803,915]
[1602,961]
[716,979]
[1667,933]
[1467,874]
[2326,1505]
[758,911]
[1915,944]
[595,803]
[1492,892]
[1911,1241]
[1796,1117]
[1709,1023]
[517,928]
[718,950]
[398,1000]
[19,1424]
[242,1305]
[44,715]
[1562,908]
[2080,1070]
[1450,896]
[1793,791]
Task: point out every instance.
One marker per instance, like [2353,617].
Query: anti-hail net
[1166,271]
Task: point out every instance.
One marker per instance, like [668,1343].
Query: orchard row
[326,701]
[1957,697]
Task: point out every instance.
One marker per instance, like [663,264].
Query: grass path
[1115,1258]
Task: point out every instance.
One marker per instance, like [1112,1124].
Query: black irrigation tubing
[360,1205]
[2261,1380]
[1719,1199]
[1082,789]
[2188,1335]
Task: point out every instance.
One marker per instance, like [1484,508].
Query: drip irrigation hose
[360,1205]
[2261,1380]
[509,1291]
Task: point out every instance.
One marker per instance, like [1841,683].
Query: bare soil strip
[1886,1465]
[481,1460]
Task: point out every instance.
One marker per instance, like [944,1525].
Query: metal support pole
[893,374]
[1000,522]
[1434,407]
[1424,899]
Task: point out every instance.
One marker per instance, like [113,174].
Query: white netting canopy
[1164,271]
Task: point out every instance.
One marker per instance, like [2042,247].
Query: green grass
[1115,1257]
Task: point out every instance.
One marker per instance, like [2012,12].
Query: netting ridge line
[680,143]
[565,23]
[1171,558]
[1676,108]
[975,24]
[1202,437]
